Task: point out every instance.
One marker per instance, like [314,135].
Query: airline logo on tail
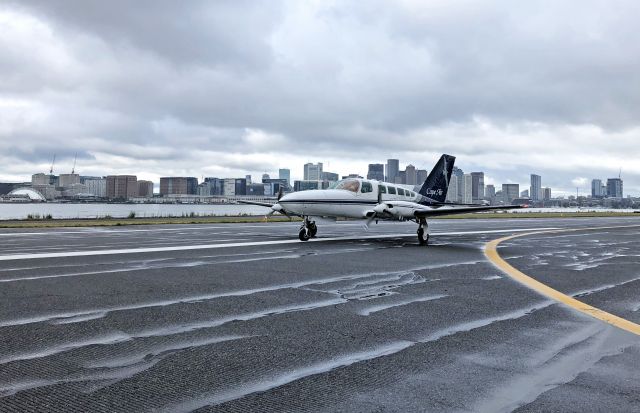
[436,185]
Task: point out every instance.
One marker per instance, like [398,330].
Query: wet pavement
[237,317]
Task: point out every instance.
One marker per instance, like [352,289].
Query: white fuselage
[358,198]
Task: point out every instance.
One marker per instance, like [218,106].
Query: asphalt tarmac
[244,317]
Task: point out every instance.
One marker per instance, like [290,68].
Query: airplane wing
[424,213]
[262,204]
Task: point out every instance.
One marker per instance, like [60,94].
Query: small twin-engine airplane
[374,200]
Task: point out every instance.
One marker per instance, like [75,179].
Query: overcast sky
[228,88]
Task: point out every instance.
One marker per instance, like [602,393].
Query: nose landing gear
[308,230]
[422,228]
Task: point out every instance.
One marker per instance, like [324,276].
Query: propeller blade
[368,223]
[279,209]
[280,191]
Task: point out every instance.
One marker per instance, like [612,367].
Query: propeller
[277,207]
[378,210]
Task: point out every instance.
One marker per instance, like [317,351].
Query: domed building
[26,195]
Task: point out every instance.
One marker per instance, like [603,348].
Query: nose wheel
[308,230]
[423,229]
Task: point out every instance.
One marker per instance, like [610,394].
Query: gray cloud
[234,86]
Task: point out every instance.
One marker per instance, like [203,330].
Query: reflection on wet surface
[341,325]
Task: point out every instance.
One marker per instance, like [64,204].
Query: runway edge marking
[86,253]
[491,252]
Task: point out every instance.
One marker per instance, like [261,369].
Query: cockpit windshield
[352,185]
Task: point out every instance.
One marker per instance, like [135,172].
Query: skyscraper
[614,188]
[546,193]
[285,174]
[329,176]
[467,189]
[477,186]
[490,192]
[393,168]
[313,172]
[376,171]
[422,175]
[596,188]
[535,191]
[452,192]
[411,176]
[459,176]
[510,192]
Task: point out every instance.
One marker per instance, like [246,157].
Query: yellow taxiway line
[491,252]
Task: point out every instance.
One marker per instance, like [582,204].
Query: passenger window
[392,190]
[382,189]
[400,191]
[366,187]
[412,194]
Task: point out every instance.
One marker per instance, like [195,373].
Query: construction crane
[52,163]
[75,158]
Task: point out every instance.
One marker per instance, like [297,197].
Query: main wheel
[304,234]
[421,238]
[313,229]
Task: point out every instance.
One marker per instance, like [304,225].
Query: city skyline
[249,87]
[477,186]
[464,187]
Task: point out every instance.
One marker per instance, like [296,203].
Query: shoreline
[109,222]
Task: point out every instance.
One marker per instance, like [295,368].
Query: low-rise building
[67,180]
[306,185]
[145,189]
[40,179]
[178,185]
[75,191]
[96,187]
[121,187]
[48,191]
[256,189]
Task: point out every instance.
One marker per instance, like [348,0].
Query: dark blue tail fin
[437,183]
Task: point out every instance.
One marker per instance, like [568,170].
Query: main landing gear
[422,228]
[308,230]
